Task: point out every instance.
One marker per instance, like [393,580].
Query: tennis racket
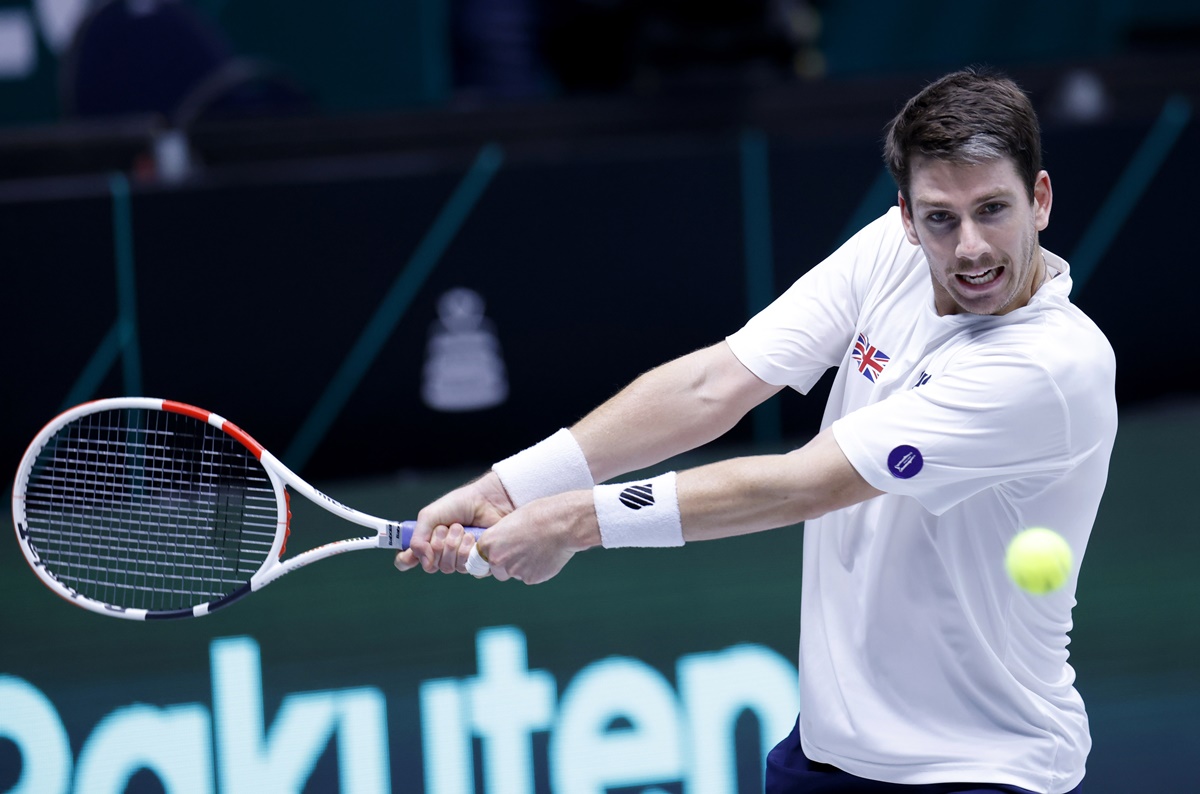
[144,509]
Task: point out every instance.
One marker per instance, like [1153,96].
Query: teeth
[982,278]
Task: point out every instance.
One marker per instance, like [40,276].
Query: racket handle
[406,532]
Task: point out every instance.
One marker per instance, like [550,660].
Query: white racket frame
[388,534]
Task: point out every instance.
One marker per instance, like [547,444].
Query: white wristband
[552,466]
[639,513]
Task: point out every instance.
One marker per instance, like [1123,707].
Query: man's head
[966,156]
[968,117]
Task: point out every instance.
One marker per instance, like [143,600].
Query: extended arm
[675,407]
[731,497]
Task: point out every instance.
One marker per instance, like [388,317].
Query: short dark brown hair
[970,116]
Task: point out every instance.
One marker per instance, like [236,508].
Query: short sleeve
[995,419]
[808,328]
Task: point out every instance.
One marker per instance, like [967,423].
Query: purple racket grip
[407,527]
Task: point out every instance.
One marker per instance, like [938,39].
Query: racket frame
[388,534]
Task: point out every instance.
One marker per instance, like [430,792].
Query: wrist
[553,466]
[643,513]
[579,518]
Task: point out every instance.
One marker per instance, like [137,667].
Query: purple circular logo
[905,461]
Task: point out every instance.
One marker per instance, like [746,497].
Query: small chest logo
[635,497]
[870,359]
[905,461]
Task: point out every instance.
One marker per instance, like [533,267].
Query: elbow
[722,388]
[847,493]
[824,479]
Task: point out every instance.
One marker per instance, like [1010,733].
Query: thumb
[477,564]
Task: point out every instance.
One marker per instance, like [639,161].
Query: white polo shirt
[920,661]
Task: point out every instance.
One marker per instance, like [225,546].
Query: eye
[938,217]
[993,207]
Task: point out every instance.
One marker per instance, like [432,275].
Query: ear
[1043,197]
[910,229]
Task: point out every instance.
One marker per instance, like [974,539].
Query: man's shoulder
[1056,351]
[1060,335]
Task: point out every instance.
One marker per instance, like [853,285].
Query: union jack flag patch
[870,359]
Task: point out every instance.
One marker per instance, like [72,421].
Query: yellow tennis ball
[1038,560]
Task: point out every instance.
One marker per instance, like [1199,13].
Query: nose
[971,242]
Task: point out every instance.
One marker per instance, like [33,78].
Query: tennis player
[972,400]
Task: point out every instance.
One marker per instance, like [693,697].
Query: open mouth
[979,279]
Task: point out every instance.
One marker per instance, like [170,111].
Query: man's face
[978,230]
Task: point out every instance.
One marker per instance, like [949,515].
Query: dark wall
[596,260]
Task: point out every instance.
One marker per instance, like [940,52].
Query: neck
[1040,270]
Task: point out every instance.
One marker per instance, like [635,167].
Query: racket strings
[149,509]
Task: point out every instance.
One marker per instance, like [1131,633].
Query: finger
[477,566]
[499,572]
[406,560]
[437,546]
[464,551]
[418,544]
[451,544]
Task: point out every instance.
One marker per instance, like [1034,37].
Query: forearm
[731,497]
[752,494]
[676,407]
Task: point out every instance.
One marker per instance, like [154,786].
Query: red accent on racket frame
[241,435]
[244,437]
[287,530]
[187,410]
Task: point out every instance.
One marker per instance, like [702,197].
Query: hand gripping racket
[143,509]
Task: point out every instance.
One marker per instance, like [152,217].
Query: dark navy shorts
[790,772]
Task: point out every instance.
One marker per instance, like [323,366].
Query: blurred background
[398,241]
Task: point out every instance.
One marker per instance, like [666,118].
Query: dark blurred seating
[162,57]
